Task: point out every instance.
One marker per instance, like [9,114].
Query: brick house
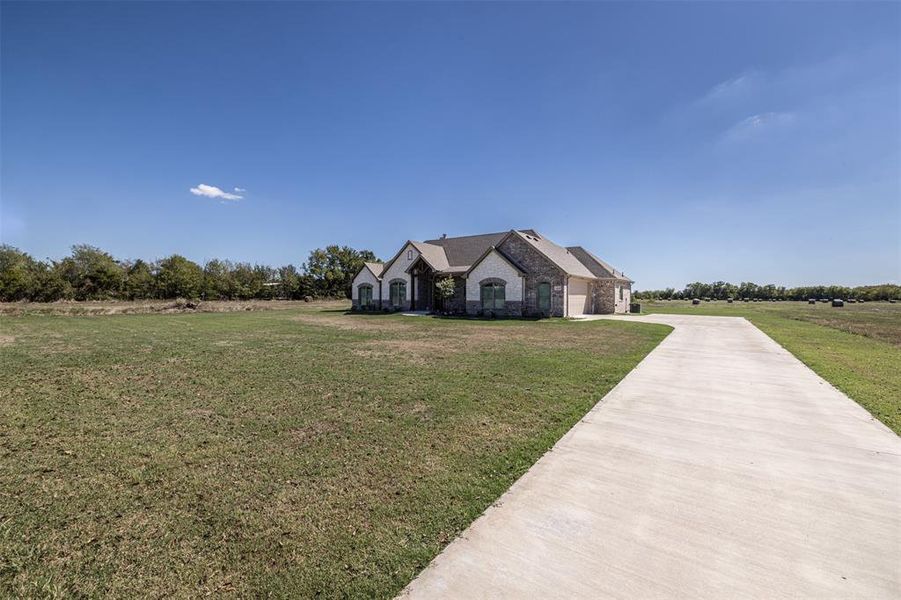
[511,273]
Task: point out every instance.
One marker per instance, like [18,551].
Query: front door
[544,297]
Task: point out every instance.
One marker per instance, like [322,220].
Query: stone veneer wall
[605,300]
[539,269]
[512,308]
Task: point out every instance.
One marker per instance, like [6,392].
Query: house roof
[597,266]
[433,255]
[464,251]
[457,255]
[559,255]
[375,267]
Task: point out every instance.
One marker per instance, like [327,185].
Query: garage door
[578,297]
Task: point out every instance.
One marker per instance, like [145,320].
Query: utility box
[635,308]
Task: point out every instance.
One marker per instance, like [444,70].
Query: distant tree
[179,277]
[17,274]
[288,281]
[140,282]
[333,268]
[217,284]
[92,273]
[49,284]
[249,281]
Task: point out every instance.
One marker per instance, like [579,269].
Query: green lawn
[856,348]
[289,453]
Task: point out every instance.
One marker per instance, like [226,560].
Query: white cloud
[756,124]
[239,190]
[211,191]
[733,89]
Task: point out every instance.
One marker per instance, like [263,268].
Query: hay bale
[811,301]
[837,303]
[695,301]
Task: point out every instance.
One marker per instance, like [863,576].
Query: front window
[544,297]
[398,292]
[365,294]
[620,293]
[493,296]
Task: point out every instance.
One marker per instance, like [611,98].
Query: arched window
[493,296]
[364,293]
[398,292]
[544,297]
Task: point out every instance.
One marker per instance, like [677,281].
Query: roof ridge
[460,237]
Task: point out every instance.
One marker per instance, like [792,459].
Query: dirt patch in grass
[6,340]
[414,351]
[363,323]
[417,335]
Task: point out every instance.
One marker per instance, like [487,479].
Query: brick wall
[605,299]
[539,269]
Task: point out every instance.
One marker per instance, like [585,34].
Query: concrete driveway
[721,467]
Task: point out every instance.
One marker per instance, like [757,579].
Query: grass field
[857,348]
[297,452]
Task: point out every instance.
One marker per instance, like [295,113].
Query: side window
[544,296]
[365,295]
[398,292]
[410,254]
[620,293]
[494,296]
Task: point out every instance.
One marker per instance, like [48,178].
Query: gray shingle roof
[562,257]
[595,264]
[465,250]
[457,254]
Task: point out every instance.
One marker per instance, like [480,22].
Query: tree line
[721,290]
[90,273]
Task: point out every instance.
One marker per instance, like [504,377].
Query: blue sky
[680,141]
